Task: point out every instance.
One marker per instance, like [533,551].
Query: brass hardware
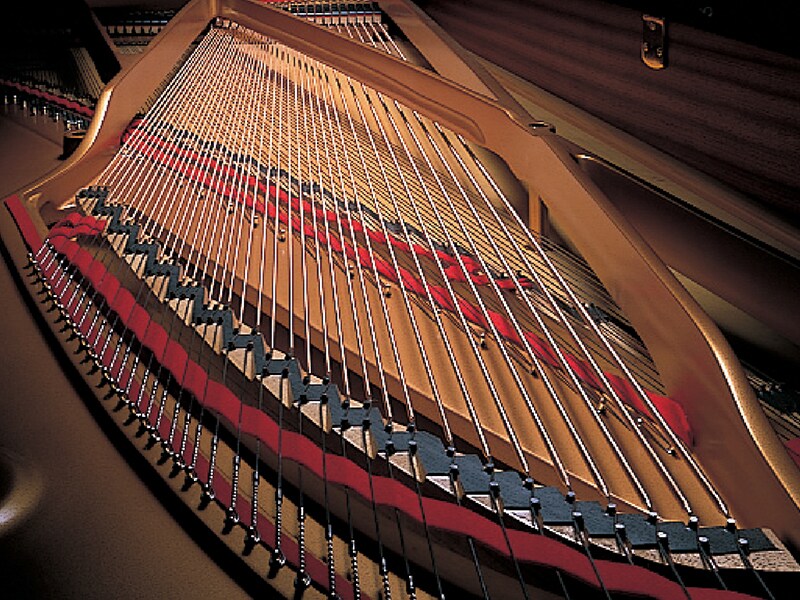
[654,42]
[539,127]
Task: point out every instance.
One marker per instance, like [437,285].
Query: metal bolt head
[620,529]
[744,544]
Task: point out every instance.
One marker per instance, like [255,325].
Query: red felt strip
[674,415]
[109,287]
[96,273]
[156,338]
[195,379]
[176,360]
[583,371]
[138,321]
[24,223]
[123,304]
[222,401]
[83,260]
[71,250]
[625,391]
[59,244]
[471,312]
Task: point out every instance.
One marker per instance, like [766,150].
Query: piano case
[726,101]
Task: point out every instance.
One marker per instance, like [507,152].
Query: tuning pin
[663,540]
[744,544]
[191,473]
[302,581]
[253,535]
[454,471]
[390,448]
[536,506]
[209,494]
[277,559]
[494,488]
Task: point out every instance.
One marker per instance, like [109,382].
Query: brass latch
[654,41]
